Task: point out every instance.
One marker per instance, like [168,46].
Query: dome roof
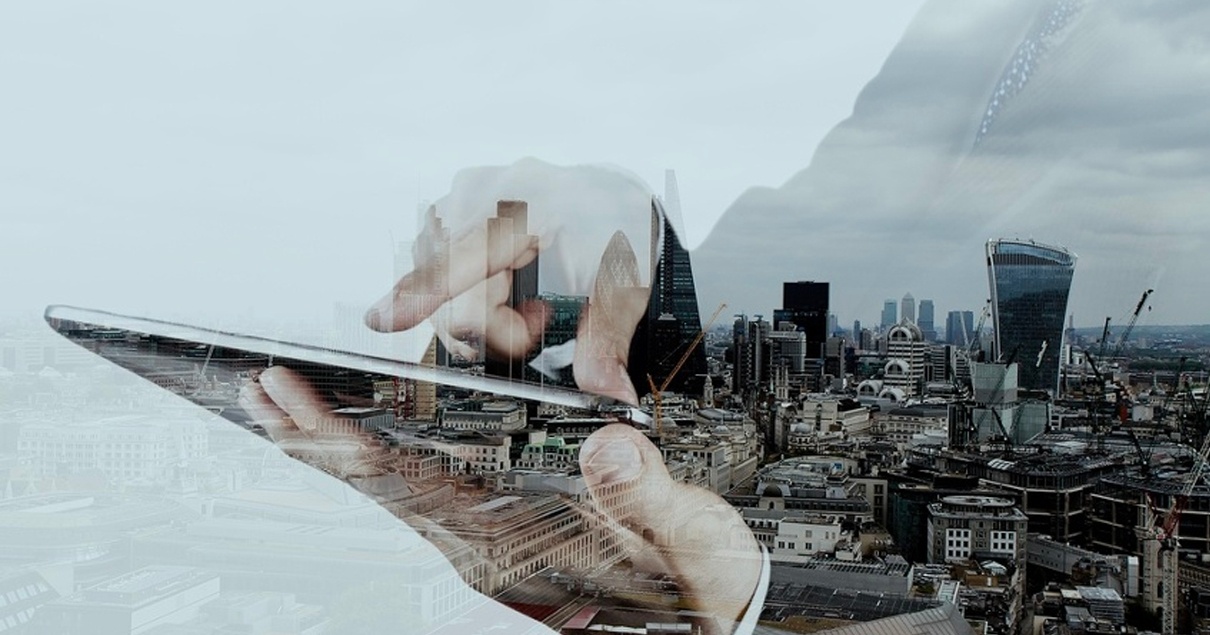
[905,331]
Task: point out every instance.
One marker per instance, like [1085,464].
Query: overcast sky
[1103,149]
[233,158]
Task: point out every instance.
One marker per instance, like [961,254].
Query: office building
[962,528]
[786,348]
[562,324]
[890,314]
[905,359]
[1030,283]
[907,308]
[512,224]
[834,357]
[750,347]
[805,304]
[959,328]
[136,602]
[925,321]
[867,340]
[673,318]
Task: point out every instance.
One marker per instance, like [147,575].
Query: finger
[618,455]
[512,332]
[295,396]
[262,410]
[607,324]
[687,530]
[475,257]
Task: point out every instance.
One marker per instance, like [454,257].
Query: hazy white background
[233,158]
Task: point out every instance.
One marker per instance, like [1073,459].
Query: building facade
[960,327]
[905,358]
[673,303]
[926,322]
[962,528]
[1030,283]
[907,308]
[890,314]
[805,304]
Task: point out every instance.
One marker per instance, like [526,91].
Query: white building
[553,454]
[962,528]
[905,358]
[124,448]
[493,416]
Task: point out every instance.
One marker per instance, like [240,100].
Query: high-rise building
[866,343]
[788,348]
[959,327]
[907,308]
[833,325]
[512,223]
[890,314]
[834,357]
[750,347]
[925,321]
[1030,283]
[657,345]
[805,303]
[905,358]
[856,336]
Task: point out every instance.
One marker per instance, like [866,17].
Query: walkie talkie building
[1029,284]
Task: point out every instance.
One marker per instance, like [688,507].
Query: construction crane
[1165,560]
[1104,339]
[1134,317]
[971,343]
[657,393]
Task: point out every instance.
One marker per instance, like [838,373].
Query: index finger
[452,269]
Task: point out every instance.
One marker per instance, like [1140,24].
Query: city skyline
[334,176]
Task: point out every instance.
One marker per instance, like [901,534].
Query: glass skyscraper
[672,321]
[890,314]
[805,304]
[1029,284]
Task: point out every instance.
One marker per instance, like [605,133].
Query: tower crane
[1166,533]
[971,343]
[1104,339]
[1134,317]
[657,393]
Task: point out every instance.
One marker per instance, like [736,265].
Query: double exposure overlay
[327,319]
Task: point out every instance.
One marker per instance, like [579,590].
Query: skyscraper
[805,303]
[925,321]
[890,315]
[907,308]
[671,309]
[959,327]
[512,222]
[1029,284]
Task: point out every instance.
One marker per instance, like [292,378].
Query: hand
[583,225]
[663,526]
[672,527]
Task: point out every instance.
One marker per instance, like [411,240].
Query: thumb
[629,485]
[676,528]
[620,455]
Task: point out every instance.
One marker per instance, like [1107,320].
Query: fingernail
[374,319]
[618,461]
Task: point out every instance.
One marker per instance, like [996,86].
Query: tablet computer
[209,366]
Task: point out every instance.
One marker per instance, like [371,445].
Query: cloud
[1104,151]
